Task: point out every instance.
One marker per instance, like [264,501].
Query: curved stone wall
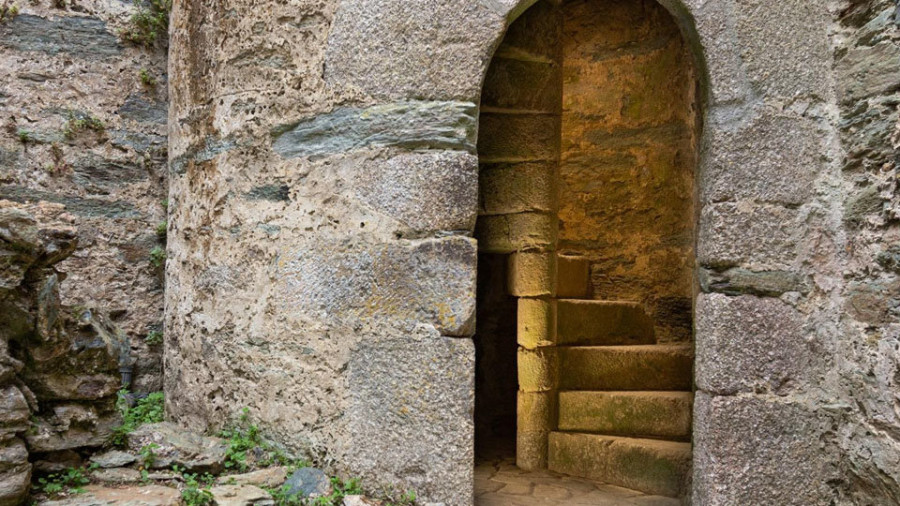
[340,316]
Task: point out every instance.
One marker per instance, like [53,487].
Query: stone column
[518,151]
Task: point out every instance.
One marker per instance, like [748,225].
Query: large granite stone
[785,47]
[427,192]
[750,344]
[762,237]
[413,49]
[758,450]
[771,158]
[429,281]
[410,414]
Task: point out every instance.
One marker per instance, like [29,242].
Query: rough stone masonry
[323,177]
[322,270]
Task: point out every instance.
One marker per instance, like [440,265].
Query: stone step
[645,367]
[647,465]
[654,414]
[602,322]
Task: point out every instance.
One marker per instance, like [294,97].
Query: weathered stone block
[535,35]
[644,367]
[136,495]
[409,414]
[771,158]
[655,414]
[82,37]
[538,369]
[784,448]
[14,412]
[427,192]
[869,70]
[407,125]
[518,137]
[508,188]
[714,22]
[750,344]
[71,426]
[737,281]
[785,47]
[522,85]
[536,322]
[430,281]
[573,277]
[177,446]
[506,233]
[438,50]
[603,323]
[532,274]
[873,302]
[138,108]
[536,414]
[649,465]
[760,236]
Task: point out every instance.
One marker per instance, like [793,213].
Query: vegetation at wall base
[150,409]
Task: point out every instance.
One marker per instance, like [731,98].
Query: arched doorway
[589,127]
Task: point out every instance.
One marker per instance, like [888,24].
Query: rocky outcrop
[59,366]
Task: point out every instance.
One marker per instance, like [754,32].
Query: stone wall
[82,128]
[59,365]
[629,150]
[867,72]
[322,271]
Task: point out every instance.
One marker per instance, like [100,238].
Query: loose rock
[271,477]
[113,458]
[176,446]
[96,495]
[309,482]
[241,495]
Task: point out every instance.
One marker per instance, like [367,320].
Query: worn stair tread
[603,322]
[642,367]
[631,413]
[648,465]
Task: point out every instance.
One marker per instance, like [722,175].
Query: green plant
[244,438]
[161,229]
[24,136]
[157,257]
[407,498]
[147,79]
[282,497]
[149,23]
[154,337]
[148,457]
[80,123]
[195,493]
[8,12]
[150,409]
[165,204]
[71,480]
[59,164]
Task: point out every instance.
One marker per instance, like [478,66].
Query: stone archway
[588,144]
